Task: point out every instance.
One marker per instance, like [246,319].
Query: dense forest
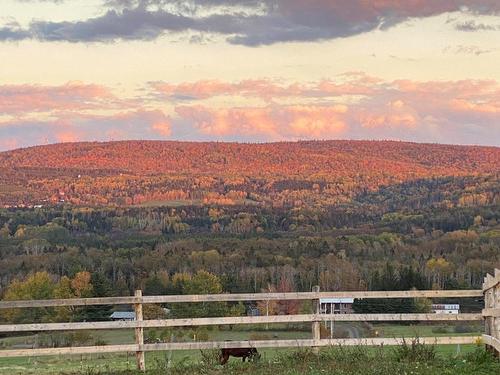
[79,219]
[287,174]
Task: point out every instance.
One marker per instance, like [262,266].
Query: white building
[336,305]
[123,316]
[445,309]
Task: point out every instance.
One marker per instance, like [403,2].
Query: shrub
[346,354]
[99,341]
[414,351]
[440,329]
[480,356]
[462,328]
[209,359]
[341,334]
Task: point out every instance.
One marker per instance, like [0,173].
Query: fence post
[495,301]
[316,329]
[139,333]
[491,291]
[487,304]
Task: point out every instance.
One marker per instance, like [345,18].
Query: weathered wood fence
[491,312]
[491,316]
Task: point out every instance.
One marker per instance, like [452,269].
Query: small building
[253,311]
[445,308]
[336,305]
[123,316]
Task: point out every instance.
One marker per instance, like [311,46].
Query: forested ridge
[274,174]
[339,214]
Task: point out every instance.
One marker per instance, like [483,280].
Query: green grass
[124,336]
[123,362]
[426,360]
[419,330]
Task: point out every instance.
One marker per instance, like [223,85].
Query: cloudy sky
[249,70]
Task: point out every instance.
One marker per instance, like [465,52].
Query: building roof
[123,315]
[336,300]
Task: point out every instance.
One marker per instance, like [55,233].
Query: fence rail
[490,314]
[190,322]
[299,343]
[238,298]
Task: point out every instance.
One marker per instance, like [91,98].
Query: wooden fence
[491,313]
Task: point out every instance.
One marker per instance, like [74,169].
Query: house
[252,311]
[445,308]
[336,305]
[123,316]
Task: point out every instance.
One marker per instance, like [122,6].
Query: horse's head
[255,353]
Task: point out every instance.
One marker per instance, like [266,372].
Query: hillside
[381,215]
[288,173]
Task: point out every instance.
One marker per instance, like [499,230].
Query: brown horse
[243,353]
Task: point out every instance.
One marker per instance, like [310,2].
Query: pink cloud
[73,127]
[210,88]
[275,122]
[66,136]
[369,10]
[8,144]
[444,111]
[351,84]
[388,120]
[17,99]
[352,105]
[163,128]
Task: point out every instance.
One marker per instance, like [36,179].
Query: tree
[338,274]
[388,279]
[202,282]
[81,285]
[63,290]
[268,307]
[35,246]
[4,231]
[156,284]
[37,286]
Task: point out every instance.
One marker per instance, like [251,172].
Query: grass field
[99,363]
[419,330]
[284,361]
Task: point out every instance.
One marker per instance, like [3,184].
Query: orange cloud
[162,128]
[389,120]
[275,122]
[9,144]
[209,88]
[352,105]
[350,84]
[67,137]
[17,99]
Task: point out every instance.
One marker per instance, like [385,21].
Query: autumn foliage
[283,174]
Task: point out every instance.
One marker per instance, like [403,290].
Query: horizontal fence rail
[489,314]
[190,322]
[239,297]
[300,343]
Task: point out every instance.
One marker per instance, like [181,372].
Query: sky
[249,70]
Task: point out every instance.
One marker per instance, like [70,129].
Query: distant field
[387,330]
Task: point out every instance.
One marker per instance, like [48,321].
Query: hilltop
[134,172]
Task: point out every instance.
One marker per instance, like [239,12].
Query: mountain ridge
[127,172]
